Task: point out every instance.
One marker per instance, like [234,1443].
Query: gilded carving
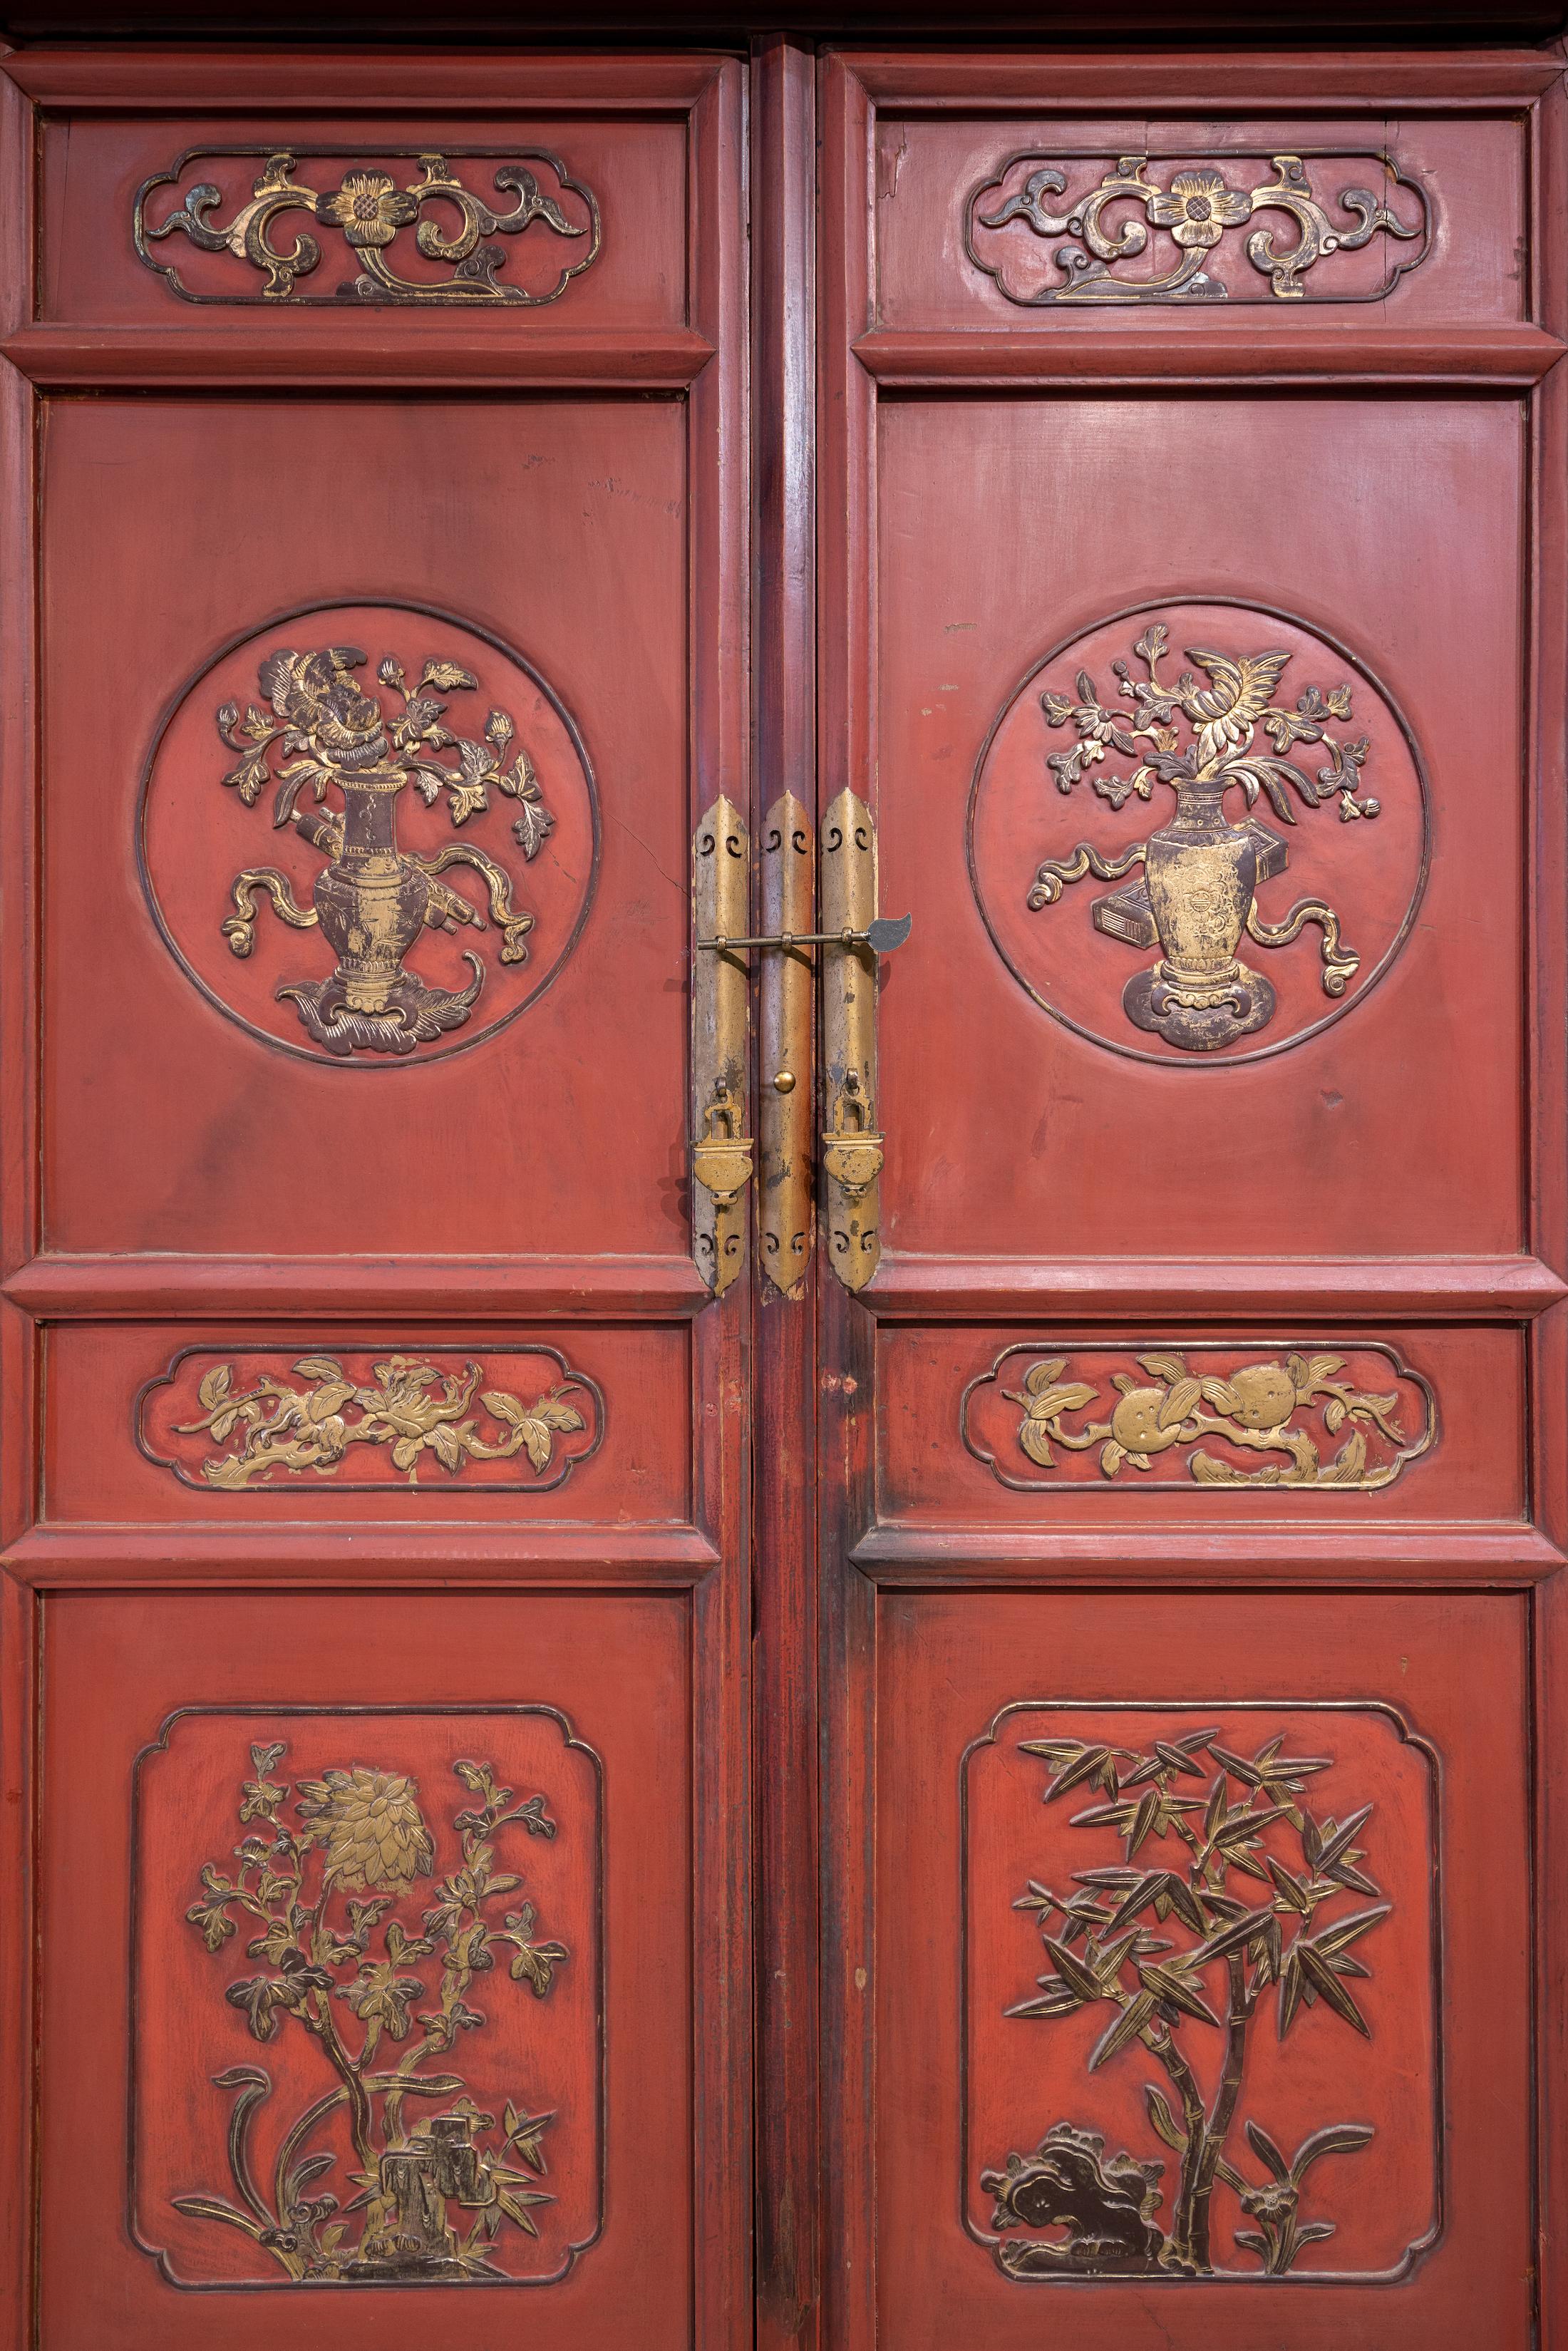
[366,1420]
[391,2175]
[1201,870]
[1228,1417]
[1193,1817]
[370,210]
[1247,739]
[322,732]
[1195,203]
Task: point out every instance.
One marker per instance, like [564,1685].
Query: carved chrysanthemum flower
[372,1827]
[1199,208]
[368,208]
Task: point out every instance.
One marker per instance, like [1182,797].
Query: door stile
[1547,740]
[19,1114]
[785,1775]
[846,760]
[718,477]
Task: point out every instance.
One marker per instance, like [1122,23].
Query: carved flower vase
[1201,873]
[371,901]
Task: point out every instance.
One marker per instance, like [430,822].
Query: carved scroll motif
[370,210]
[1196,204]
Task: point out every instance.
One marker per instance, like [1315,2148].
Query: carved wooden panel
[345,1965]
[1191,603]
[1253,1856]
[1232,1959]
[291,1441]
[968,1423]
[942,178]
[392,1983]
[125,242]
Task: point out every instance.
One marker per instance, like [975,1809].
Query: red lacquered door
[729,1620]
[378,1572]
[1192,536]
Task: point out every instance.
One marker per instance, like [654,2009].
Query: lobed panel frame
[705,365]
[860,1559]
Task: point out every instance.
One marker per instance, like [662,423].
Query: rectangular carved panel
[981,1426]
[1196,1930]
[597,241]
[347,1904]
[1469,177]
[390,1974]
[1139,1089]
[1152,1868]
[328,1422]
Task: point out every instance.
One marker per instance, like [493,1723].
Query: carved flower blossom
[1199,208]
[371,1826]
[369,208]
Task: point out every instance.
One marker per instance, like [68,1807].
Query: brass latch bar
[888,932]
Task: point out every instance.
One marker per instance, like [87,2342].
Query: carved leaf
[250,779]
[465,800]
[1041,1375]
[319,1367]
[214,1385]
[1165,2124]
[1122,2030]
[532,827]
[446,676]
[556,1412]
[1335,2138]
[1263,2147]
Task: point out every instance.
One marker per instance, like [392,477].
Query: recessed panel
[549,569]
[1113,222]
[1164,1426]
[348,1990]
[427,216]
[327,1423]
[1203,1969]
[1287,1115]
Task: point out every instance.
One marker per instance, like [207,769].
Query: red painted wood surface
[782,482]
[502,1515]
[998,481]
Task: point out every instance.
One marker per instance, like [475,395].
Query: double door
[728,1618]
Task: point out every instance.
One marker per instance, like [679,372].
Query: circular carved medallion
[369,833]
[1198,833]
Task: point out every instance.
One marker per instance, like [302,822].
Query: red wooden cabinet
[850,1642]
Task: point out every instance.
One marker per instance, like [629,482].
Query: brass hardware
[889,931]
[852,1146]
[721,1162]
[1196,209]
[722,1151]
[785,1009]
[371,211]
[852,1155]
